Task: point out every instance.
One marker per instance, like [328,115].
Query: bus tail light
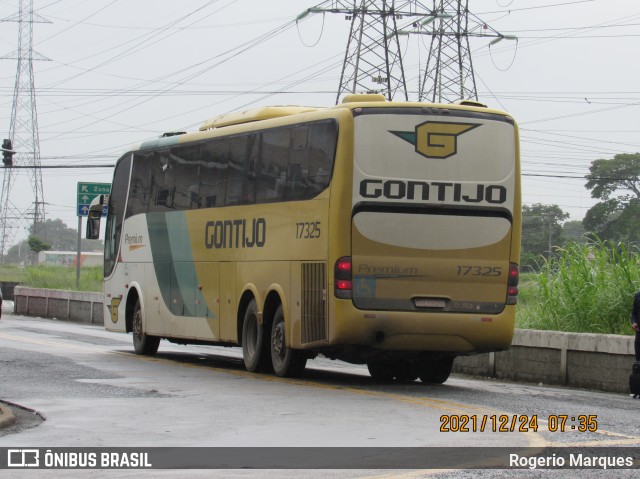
[342,278]
[512,283]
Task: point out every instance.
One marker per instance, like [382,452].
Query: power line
[537,7]
[25,167]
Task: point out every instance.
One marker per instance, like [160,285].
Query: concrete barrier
[77,306]
[590,361]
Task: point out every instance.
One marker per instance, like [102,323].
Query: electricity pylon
[448,75]
[23,133]
[373,59]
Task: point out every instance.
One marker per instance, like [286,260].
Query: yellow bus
[373,232]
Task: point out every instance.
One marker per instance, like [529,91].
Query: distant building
[69,258]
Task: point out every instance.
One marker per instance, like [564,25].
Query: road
[93,391]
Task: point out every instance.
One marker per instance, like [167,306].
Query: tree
[63,238]
[574,231]
[616,182]
[541,230]
[36,244]
[58,235]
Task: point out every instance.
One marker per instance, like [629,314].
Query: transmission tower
[448,75]
[23,133]
[373,59]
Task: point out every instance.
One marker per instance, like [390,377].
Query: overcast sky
[125,71]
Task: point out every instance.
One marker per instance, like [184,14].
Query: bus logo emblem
[436,139]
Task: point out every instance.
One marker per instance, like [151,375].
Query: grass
[12,273]
[54,277]
[583,288]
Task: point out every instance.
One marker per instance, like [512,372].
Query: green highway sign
[87,192]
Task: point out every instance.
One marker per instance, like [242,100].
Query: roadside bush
[60,277]
[582,288]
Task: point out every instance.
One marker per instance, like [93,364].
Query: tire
[142,343]
[286,362]
[380,371]
[255,343]
[386,371]
[405,372]
[436,371]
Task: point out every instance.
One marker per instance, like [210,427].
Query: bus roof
[267,113]
[256,114]
[349,101]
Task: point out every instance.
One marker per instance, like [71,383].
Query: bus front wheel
[286,361]
[255,343]
[142,342]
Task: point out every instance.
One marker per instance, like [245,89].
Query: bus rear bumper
[457,334]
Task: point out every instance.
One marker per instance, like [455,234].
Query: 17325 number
[479,271]
[308,230]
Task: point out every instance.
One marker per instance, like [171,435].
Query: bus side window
[184,162]
[253,168]
[321,151]
[215,160]
[140,189]
[297,176]
[117,200]
[162,182]
[236,179]
[274,163]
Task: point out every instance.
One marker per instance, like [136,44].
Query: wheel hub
[278,340]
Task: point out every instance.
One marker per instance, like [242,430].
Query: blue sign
[364,286]
[87,192]
[83,210]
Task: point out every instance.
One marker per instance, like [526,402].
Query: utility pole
[23,132]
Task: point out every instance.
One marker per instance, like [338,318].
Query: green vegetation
[541,229]
[616,183]
[52,235]
[12,273]
[54,277]
[582,288]
[37,244]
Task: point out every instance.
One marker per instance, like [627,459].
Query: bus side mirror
[93,226]
[95,213]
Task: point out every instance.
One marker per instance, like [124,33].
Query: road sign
[87,192]
[83,210]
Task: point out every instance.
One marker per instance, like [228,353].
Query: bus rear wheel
[436,371]
[287,362]
[380,371]
[255,343]
[142,342]
[386,371]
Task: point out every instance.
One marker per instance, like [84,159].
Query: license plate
[429,303]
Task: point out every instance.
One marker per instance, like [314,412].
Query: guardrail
[590,361]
